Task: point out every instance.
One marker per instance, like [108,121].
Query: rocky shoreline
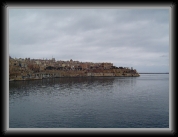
[62,74]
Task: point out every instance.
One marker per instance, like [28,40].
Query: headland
[32,69]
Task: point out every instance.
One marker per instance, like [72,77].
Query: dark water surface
[97,102]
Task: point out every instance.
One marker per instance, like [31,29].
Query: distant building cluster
[31,68]
[41,64]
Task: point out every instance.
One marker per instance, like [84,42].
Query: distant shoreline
[153,73]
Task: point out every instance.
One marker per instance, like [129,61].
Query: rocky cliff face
[60,73]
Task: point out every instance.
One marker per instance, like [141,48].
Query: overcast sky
[137,38]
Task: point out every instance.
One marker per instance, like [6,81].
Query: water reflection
[68,82]
[62,81]
[57,84]
[66,86]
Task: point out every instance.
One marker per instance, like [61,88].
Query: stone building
[84,66]
[106,65]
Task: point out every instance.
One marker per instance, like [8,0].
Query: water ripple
[103,102]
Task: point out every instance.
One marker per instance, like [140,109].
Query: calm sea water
[103,102]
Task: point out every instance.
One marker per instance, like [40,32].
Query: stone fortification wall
[52,74]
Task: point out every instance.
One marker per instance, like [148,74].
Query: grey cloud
[163,56]
[130,37]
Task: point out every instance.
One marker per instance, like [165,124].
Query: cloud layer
[136,38]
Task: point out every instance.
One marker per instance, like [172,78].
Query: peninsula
[31,69]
